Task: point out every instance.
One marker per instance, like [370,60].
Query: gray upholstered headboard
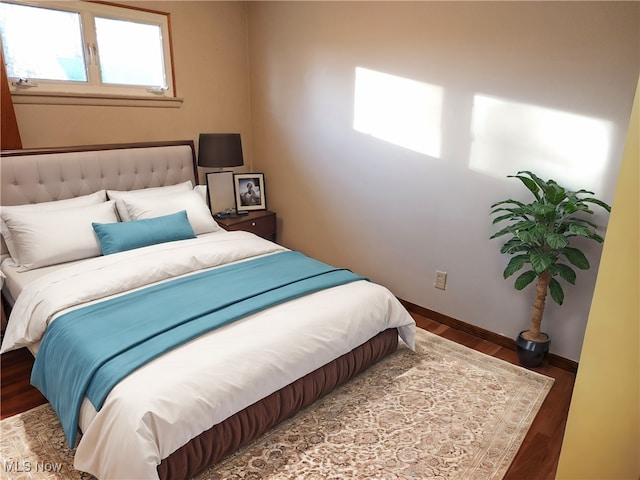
[43,175]
[46,174]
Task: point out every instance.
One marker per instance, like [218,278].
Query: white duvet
[171,400]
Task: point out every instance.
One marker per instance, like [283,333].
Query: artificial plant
[540,233]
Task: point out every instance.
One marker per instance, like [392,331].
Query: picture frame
[220,194]
[249,191]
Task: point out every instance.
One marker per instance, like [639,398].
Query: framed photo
[249,190]
[220,191]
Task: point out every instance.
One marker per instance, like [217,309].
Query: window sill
[50,98]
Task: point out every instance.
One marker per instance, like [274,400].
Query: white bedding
[145,417]
[15,281]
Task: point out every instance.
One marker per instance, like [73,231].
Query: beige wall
[211,74]
[546,86]
[602,438]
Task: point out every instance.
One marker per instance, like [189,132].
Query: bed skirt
[228,436]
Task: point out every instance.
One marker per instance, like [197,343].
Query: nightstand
[260,222]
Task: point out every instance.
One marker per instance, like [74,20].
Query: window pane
[42,43]
[130,52]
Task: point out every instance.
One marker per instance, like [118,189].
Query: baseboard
[555,360]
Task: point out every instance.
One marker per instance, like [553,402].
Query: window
[86,48]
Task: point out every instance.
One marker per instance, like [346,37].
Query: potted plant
[539,236]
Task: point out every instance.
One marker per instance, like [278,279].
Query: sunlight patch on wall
[399,110]
[509,136]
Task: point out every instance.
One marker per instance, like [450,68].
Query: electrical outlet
[441,280]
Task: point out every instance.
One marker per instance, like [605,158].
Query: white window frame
[94,87]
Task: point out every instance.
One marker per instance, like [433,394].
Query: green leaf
[525,279]
[583,207]
[501,209]
[505,231]
[514,228]
[597,202]
[530,184]
[569,207]
[538,232]
[567,273]
[508,202]
[525,224]
[555,193]
[533,234]
[556,241]
[505,217]
[580,230]
[576,257]
[578,221]
[540,261]
[514,245]
[543,209]
[515,264]
[541,183]
[555,289]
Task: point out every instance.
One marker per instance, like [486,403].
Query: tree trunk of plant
[542,287]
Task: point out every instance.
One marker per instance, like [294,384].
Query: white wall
[543,86]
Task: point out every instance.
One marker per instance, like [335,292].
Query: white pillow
[153,206]
[202,191]
[92,199]
[45,238]
[120,195]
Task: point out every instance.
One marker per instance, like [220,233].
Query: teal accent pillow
[121,236]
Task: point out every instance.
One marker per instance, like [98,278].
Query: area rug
[443,412]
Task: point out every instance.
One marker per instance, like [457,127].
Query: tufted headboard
[43,175]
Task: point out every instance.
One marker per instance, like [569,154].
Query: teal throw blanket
[87,351]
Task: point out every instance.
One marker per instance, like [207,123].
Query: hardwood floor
[536,460]
[16,393]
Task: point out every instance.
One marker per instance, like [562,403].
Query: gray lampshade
[220,150]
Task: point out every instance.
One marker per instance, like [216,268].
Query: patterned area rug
[445,412]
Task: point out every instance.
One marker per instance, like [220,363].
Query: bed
[180,409]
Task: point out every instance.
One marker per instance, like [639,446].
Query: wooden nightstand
[260,222]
